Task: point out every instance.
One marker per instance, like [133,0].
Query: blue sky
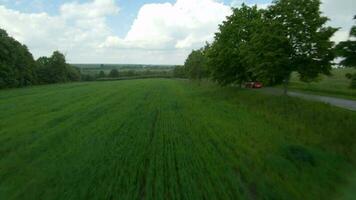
[130,31]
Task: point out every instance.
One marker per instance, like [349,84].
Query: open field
[94,69]
[171,139]
[336,85]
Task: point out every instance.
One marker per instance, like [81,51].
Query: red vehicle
[253,85]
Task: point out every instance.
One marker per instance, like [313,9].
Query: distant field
[94,69]
[171,139]
[335,85]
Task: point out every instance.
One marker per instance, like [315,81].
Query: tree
[179,72]
[101,74]
[304,28]
[17,66]
[131,73]
[43,70]
[73,73]
[114,73]
[55,69]
[196,65]
[267,54]
[58,66]
[347,50]
[224,57]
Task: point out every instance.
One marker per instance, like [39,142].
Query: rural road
[342,103]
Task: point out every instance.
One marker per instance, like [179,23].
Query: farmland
[125,69]
[171,139]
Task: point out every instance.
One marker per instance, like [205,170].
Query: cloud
[237,3]
[93,10]
[185,24]
[77,28]
[162,33]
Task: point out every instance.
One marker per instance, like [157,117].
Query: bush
[114,73]
[353,79]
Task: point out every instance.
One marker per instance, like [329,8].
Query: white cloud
[77,28]
[162,33]
[95,9]
[237,3]
[186,24]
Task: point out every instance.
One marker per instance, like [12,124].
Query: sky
[132,31]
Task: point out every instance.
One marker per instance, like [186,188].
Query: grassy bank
[336,85]
[170,139]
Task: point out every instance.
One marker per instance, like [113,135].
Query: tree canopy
[196,64]
[269,44]
[19,69]
[16,63]
[347,49]
[55,69]
[114,73]
[224,56]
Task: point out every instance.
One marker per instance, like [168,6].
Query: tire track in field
[147,161]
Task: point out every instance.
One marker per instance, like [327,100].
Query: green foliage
[267,54]
[114,73]
[352,77]
[225,59]
[101,74]
[179,72]
[196,64]
[55,69]
[130,73]
[304,27]
[268,45]
[18,68]
[336,84]
[170,139]
[347,50]
[16,63]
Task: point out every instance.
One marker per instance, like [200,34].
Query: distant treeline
[124,74]
[18,67]
[123,66]
[267,45]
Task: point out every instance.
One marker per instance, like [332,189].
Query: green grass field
[171,139]
[336,85]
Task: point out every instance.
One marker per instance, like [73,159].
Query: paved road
[342,103]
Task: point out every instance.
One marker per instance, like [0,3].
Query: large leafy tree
[196,64]
[16,63]
[304,27]
[225,59]
[266,55]
[55,69]
[347,50]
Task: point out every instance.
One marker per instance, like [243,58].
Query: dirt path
[342,103]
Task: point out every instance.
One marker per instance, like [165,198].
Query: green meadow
[336,84]
[171,139]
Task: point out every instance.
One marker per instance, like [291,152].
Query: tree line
[19,69]
[267,45]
